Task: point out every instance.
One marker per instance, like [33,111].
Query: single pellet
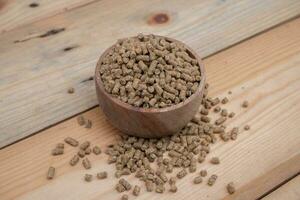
[173,188]
[217,109]
[120,188]
[96,150]
[71,141]
[212,179]
[224,112]
[224,100]
[88,151]
[215,160]
[102,175]
[124,197]
[81,153]
[198,180]
[231,115]
[86,163]
[74,160]
[51,173]
[203,173]
[181,173]
[245,104]
[159,189]
[57,151]
[80,120]
[88,124]
[125,183]
[71,90]
[220,121]
[230,188]
[88,177]
[149,185]
[136,190]
[246,127]
[84,145]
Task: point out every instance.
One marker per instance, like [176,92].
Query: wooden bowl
[149,122]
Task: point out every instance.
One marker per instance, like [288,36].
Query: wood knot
[159,18]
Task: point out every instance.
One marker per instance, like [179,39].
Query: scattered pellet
[74,160]
[159,189]
[88,151]
[88,177]
[203,173]
[102,175]
[96,150]
[215,160]
[125,183]
[124,197]
[84,145]
[224,100]
[120,188]
[86,163]
[80,120]
[81,153]
[217,109]
[136,190]
[246,127]
[220,121]
[71,90]
[212,179]
[57,151]
[181,173]
[88,124]
[231,115]
[173,188]
[198,180]
[51,173]
[230,188]
[224,112]
[245,104]
[234,132]
[149,185]
[71,141]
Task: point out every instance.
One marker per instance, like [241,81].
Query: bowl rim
[127,106]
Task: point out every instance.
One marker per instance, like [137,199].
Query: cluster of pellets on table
[182,151]
[150,72]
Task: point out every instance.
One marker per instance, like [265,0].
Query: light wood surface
[153,122]
[263,70]
[38,72]
[289,191]
[15,13]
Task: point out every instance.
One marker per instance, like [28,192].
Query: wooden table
[250,47]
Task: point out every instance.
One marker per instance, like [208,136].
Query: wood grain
[263,70]
[38,71]
[149,122]
[15,13]
[289,191]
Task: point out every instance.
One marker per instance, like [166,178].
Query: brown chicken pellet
[160,189]
[57,151]
[203,173]
[197,180]
[181,173]
[51,173]
[96,150]
[84,145]
[212,179]
[60,145]
[224,112]
[217,109]
[231,115]
[224,100]
[124,197]
[220,121]
[173,188]
[149,185]
[88,177]
[136,190]
[74,160]
[86,163]
[88,151]
[80,120]
[230,188]
[215,160]
[71,141]
[125,183]
[81,153]
[71,90]
[245,104]
[102,175]
[246,127]
[88,124]
[120,188]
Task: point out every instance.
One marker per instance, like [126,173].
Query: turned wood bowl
[149,122]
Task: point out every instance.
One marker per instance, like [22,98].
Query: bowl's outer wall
[133,121]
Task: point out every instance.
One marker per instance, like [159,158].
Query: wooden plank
[15,13]
[289,191]
[38,71]
[264,70]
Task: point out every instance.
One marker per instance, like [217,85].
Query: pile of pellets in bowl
[148,71]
